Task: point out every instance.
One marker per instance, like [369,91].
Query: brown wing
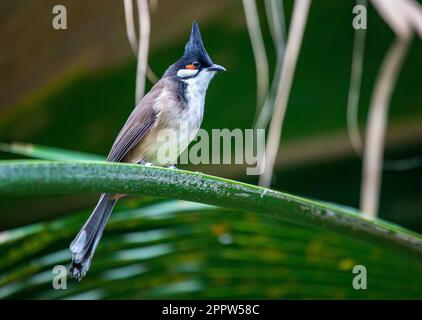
[136,127]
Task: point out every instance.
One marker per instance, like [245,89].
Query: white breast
[184,121]
[195,96]
[190,118]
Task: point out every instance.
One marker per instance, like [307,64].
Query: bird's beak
[216,67]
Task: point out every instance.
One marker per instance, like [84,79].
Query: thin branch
[353,106]
[294,41]
[354,88]
[258,48]
[130,25]
[403,16]
[131,35]
[275,17]
[377,123]
[151,75]
[144,32]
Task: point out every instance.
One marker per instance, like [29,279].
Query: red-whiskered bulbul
[178,97]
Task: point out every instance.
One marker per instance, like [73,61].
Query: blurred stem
[144,31]
[131,35]
[376,128]
[353,100]
[354,89]
[130,25]
[275,16]
[258,48]
[294,41]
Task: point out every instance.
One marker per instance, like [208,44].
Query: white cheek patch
[184,73]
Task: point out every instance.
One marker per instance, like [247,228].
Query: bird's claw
[143,163]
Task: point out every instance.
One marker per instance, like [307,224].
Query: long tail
[85,243]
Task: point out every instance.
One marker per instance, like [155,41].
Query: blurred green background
[74,89]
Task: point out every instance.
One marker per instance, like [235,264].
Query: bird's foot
[77,271]
[147,164]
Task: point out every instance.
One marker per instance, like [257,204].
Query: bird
[178,97]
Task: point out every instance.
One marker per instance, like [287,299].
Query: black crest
[195,47]
[194,51]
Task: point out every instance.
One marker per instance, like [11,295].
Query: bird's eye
[193,66]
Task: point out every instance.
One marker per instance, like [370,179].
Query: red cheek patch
[190,67]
